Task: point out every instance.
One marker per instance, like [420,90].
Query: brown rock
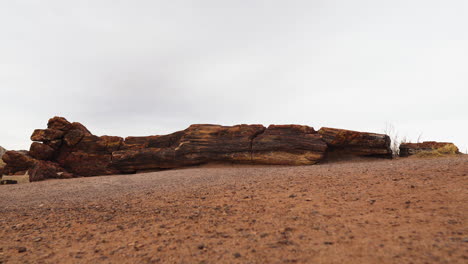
[356,143]
[130,161]
[18,161]
[73,137]
[99,145]
[165,141]
[41,151]
[408,149]
[86,164]
[196,145]
[55,144]
[46,134]
[58,123]
[75,133]
[207,143]
[81,127]
[288,145]
[44,170]
[136,142]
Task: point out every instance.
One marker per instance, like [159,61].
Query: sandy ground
[385,211]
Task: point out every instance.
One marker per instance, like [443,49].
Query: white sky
[154,67]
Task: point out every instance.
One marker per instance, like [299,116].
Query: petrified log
[41,151]
[91,156]
[71,148]
[197,144]
[288,145]
[44,170]
[86,164]
[356,143]
[59,123]
[17,161]
[205,143]
[408,149]
[46,134]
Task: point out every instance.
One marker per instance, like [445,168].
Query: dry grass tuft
[446,150]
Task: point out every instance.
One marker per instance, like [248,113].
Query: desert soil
[380,211]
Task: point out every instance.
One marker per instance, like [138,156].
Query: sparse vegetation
[440,152]
[395,138]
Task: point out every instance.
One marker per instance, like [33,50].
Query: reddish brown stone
[80,127]
[356,143]
[44,170]
[408,149]
[165,141]
[41,151]
[99,145]
[196,145]
[76,131]
[73,137]
[55,144]
[46,134]
[85,164]
[207,143]
[288,145]
[59,123]
[18,161]
[130,161]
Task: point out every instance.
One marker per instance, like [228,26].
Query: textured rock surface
[71,149]
[408,149]
[46,134]
[44,170]
[17,161]
[196,145]
[288,145]
[41,151]
[356,143]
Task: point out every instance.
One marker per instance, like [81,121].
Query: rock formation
[347,142]
[65,149]
[408,149]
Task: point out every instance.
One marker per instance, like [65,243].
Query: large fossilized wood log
[202,143]
[196,145]
[288,145]
[41,151]
[91,156]
[356,143]
[71,147]
[17,161]
[45,170]
[408,149]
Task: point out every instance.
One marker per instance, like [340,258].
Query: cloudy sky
[141,67]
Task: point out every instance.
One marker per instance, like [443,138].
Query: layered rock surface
[348,142]
[67,149]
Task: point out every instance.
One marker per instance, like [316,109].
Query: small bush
[446,150]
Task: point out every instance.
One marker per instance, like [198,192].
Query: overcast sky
[135,67]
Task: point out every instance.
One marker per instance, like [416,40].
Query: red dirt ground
[380,211]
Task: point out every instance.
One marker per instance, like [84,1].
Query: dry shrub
[446,150]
